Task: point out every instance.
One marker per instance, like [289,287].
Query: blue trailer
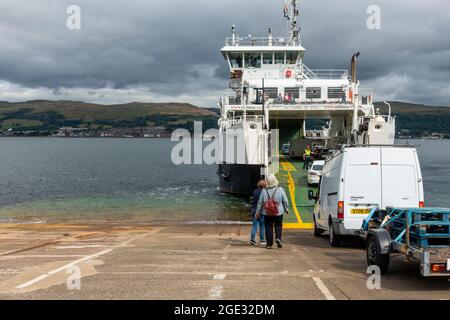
[421,234]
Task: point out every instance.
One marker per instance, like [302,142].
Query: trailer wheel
[374,256]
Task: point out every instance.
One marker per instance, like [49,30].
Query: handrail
[261,41]
[324,73]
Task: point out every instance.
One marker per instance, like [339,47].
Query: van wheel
[335,240]
[317,232]
[374,256]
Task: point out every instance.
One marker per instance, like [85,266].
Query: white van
[359,178]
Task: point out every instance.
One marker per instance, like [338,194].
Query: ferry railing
[233,121]
[327,74]
[260,41]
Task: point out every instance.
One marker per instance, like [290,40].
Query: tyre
[335,239]
[374,256]
[317,231]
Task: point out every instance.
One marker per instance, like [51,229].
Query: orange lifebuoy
[350,95]
[288,73]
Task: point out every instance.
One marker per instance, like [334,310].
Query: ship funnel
[354,59]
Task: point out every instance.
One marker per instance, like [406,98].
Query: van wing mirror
[311,195]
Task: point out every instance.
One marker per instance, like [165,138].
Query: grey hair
[272,181]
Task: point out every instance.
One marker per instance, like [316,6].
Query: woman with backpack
[273,204]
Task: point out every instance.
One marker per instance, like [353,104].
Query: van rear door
[400,185]
[362,185]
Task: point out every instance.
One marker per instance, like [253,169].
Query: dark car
[320,153]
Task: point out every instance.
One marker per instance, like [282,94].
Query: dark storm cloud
[171,47]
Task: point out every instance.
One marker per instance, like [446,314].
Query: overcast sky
[168,50]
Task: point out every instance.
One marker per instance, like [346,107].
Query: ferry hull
[238,179]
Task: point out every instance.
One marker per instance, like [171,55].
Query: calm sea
[46,179]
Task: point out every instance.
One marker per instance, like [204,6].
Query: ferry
[273,94]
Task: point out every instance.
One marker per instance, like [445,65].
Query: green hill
[41,115]
[51,115]
[419,119]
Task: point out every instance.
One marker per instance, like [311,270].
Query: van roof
[364,146]
[378,146]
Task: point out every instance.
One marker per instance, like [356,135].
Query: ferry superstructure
[274,89]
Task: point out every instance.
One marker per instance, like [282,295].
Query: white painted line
[323,288]
[219,276]
[216,292]
[43,256]
[52,272]
[81,246]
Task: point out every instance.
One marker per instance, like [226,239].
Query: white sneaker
[263,243]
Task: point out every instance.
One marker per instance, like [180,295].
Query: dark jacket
[255,199]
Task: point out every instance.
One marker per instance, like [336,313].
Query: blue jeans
[258,224]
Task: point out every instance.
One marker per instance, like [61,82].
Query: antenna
[291,16]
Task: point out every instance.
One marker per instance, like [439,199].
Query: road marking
[323,288]
[52,272]
[81,246]
[43,256]
[299,224]
[219,276]
[216,292]
[67,266]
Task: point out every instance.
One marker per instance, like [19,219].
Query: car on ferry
[359,178]
[285,149]
[320,152]
[315,172]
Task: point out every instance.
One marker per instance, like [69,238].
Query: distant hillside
[51,115]
[418,119]
[414,119]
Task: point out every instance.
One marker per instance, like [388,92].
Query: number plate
[360,211]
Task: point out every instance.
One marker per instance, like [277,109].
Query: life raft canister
[288,73]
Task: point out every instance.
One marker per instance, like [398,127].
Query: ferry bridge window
[364,99]
[291,57]
[268,57]
[294,92]
[279,57]
[235,60]
[272,93]
[253,60]
[313,93]
[335,93]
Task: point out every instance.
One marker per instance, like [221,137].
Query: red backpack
[271,205]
